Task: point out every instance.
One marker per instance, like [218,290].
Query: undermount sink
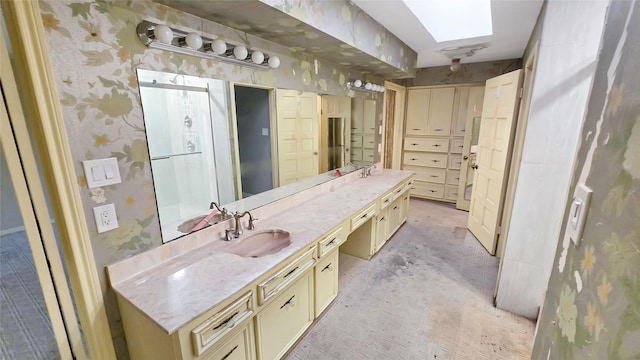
[261,243]
[188,225]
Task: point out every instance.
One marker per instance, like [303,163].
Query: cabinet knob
[465,157]
[474,166]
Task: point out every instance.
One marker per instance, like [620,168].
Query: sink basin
[261,243]
[188,225]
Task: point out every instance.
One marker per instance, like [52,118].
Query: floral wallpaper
[592,305]
[95,53]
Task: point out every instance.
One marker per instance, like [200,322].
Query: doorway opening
[336,142]
[253,121]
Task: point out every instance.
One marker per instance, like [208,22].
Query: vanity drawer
[368,141]
[332,241]
[239,347]
[426,159]
[386,200]
[456,146]
[425,189]
[451,193]
[216,327]
[428,174]
[284,277]
[455,161]
[433,145]
[362,216]
[453,177]
[356,141]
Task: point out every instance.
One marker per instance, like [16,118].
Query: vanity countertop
[182,288]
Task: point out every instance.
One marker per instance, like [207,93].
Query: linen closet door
[499,114]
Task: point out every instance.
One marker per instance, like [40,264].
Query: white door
[499,115]
[335,107]
[297,122]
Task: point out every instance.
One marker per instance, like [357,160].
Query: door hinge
[520,92]
[499,230]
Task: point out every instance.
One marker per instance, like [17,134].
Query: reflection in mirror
[475,134]
[211,141]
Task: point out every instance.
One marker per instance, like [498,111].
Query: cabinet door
[326,276]
[368,141]
[357,114]
[239,347]
[381,228]
[369,117]
[394,218]
[440,111]
[283,321]
[404,209]
[417,111]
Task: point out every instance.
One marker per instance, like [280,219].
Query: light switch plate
[101,172]
[106,218]
[578,212]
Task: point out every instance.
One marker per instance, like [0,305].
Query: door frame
[31,48]
[234,132]
[529,66]
[398,124]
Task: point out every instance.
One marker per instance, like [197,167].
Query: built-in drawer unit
[455,161]
[368,141]
[238,347]
[456,146]
[216,327]
[284,277]
[433,145]
[428,174]
[451,193]
[333,240]
[425,159]
[356,141]
[362,216]
[356,154]
[326,281]
[453,177]
[367,155]
[426,189]
[386,200]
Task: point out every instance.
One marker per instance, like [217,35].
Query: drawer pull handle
[462,130]
[413,159]
[229,322]
[432,191]
[416,129]
[435,161]
[410,182]
[437,129]
[289,302]
[437,145]
[433,176]
[364,216]
[414,144]
[328,267]
[395,208]
[406,197]
[331,242]
[382,218]
[290,272]
[229,353]
[386,201]
[398,191]
[413,188]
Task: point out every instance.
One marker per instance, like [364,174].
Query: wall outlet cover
[578,212]
[106,218]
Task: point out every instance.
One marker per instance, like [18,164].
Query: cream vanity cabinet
[434,137]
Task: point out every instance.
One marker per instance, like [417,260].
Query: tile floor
[428,294]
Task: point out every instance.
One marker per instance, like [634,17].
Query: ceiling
[513,22]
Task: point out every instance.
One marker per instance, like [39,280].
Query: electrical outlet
[105,217]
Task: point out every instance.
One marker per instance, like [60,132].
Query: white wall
[569,42]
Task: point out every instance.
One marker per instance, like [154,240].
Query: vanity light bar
[368,87]
[158,36]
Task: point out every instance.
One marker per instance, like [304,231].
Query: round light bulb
[455,65]
[219,47]
[194,41]
[382,88]
[274,61]
[257,57]
[375,87]
[368,86]
[240,52]
[163,33]
[357,83]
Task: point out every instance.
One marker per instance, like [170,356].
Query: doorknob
[474,166]
[465,157]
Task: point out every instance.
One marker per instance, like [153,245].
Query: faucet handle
[250,225]
[228,234]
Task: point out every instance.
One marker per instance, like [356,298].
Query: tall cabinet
[434,138]
[363,130]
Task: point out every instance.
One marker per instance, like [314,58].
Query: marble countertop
[184,287]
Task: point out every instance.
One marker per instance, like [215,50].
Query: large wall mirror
[244,146]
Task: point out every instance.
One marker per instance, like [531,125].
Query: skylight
[448,20]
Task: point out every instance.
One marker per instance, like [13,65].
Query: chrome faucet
[223,212]
[366,170]
[237,231]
